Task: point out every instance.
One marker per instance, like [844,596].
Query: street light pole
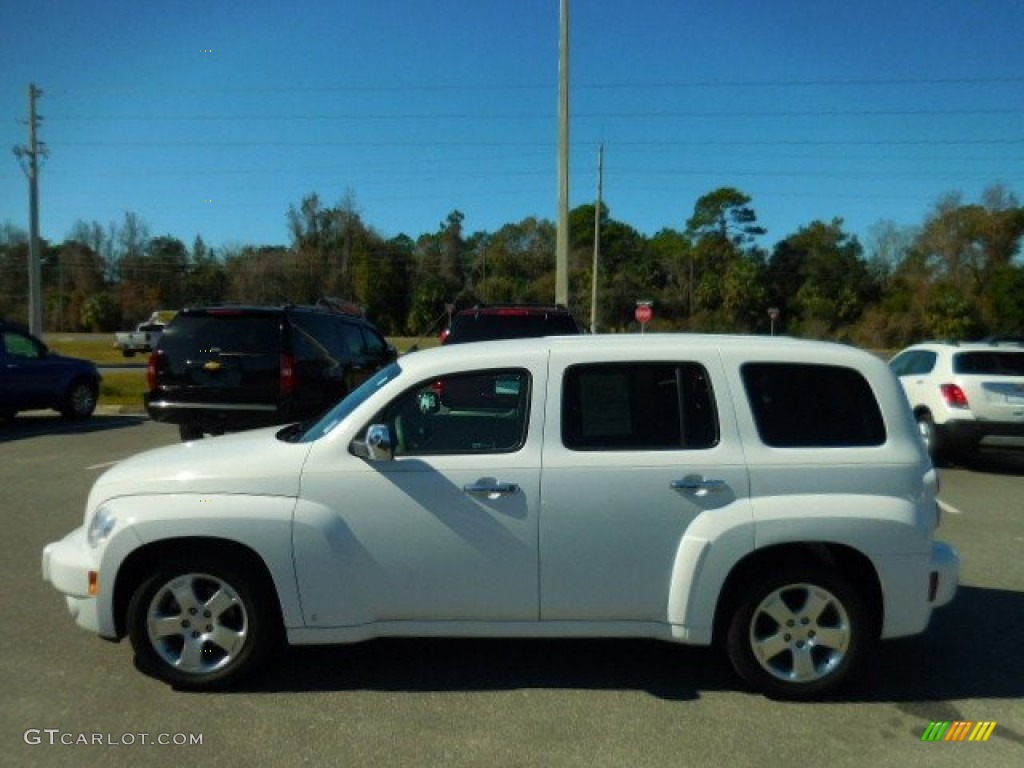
[30,158]
[597,240]
[562,240]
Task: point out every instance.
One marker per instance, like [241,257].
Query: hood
[254,463]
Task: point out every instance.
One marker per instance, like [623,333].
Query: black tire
[189,431]
[79,401]
[798,633]
[222,635]
[932,440]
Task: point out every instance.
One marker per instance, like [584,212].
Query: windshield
[349,403]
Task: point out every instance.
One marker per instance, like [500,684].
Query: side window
[638,406]
[812,406]
[924,362]
[351,339]
[305,347]
[313,339]
[483,412]
[19,345]
[374,344]
[903,364]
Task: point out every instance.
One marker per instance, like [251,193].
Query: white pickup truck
[143,339]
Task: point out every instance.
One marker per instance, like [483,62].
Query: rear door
[638,455]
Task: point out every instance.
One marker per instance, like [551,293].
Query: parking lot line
[946,507]
[104,464]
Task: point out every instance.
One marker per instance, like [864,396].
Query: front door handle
[699,485]
[491,489]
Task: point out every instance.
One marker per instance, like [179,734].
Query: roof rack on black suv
[229,367]
[488,322]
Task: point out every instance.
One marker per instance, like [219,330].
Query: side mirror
[378,443]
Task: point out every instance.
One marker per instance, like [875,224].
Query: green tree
[723,229]
[820,280]
[724,214]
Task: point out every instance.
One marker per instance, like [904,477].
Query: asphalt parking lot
[72,699]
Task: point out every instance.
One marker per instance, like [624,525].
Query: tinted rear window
[812,406]
[989,363]
[638,406]
[490,326]
[194,335]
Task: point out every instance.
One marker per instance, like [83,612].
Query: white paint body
[592,543]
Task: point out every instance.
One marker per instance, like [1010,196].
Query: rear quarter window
[812,406]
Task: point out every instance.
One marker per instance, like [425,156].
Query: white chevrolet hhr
[769,495]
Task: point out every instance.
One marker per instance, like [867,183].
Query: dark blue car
[33,377]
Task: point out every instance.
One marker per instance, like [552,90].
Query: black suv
[224,368]
[486,322]
[31,377]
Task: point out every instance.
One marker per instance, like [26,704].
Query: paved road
[483,703]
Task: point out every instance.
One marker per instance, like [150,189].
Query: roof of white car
[775,347]
[968,346]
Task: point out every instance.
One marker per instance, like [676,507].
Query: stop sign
[643,313]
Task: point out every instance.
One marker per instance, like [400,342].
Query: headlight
[100,526]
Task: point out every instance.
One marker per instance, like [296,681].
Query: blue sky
[213,117]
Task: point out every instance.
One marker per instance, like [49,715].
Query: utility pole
[597,239]
[29,158]
[562,240]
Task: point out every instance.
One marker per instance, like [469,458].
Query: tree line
[956,275]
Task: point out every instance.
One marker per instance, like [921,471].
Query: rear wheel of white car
[199,624]
[799,633]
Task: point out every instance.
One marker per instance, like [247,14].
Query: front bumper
[66,565]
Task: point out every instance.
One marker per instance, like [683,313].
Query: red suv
[487,322]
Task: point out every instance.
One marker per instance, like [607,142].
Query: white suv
[965,397]
[768,495]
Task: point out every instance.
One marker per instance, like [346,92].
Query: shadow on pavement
[970,651]
[441,665]
[37,423]
[993,463]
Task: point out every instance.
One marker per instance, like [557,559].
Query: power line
[506,116]
[579,86]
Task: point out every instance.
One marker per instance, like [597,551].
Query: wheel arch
[141,562]
[852,564]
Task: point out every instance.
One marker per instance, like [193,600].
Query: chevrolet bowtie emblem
[213,365]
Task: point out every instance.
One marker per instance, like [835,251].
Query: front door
[447,530]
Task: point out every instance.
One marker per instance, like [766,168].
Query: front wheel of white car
[200,625]
[798,634]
